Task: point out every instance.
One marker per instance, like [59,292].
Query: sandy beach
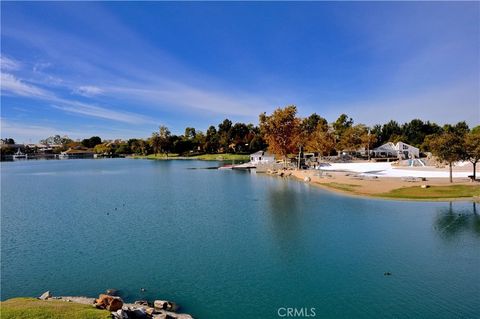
[375,179]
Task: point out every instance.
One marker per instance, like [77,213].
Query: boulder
[120,314]
[142,303]
[307,179]
[45,295]
[165,305]
[150,311]
[138,313]
[110,303]
[171,315]
[112,292]
[159,304]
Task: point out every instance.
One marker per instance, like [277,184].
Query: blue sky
[121,69]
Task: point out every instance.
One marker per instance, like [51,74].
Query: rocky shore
[141,309]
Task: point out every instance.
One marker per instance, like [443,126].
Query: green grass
[157,156]
[204,157]
[222,157]
[31,308]
[434,192]
[340,186]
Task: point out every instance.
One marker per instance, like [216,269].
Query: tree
[8,141]
[311,123]
[138,146]
[190,133]
[461,128]
[352,138]
[211,140]
[238,135]
[92,141]
[224,133]
[388,132]
[164,139]
[155,143]
[104,148]
[123,148]
[257,143]
[472,148]
[368,140]
[280,130]
[341,124]
[321,140]
[199,141]
[449,147]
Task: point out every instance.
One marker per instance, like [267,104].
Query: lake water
[232,244]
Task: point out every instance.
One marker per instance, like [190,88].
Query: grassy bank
[204,157]
[342,187]
[434,192]
[31,308]
[444,192]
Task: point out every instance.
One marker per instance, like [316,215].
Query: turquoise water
[232,244]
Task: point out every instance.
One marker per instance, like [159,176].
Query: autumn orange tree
[352,138]
[281,130]
[321,140]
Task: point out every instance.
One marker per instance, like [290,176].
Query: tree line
[283,132]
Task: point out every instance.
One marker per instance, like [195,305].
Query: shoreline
[107,305]
[340,183]
[204,157]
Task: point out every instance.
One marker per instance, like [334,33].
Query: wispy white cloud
[8,64]
[40,66]
[12,85]
[31,133]
[184,96]
[27,132]
[99,112]
[88,90]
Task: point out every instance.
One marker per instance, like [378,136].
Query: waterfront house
[77,153]
[262,157]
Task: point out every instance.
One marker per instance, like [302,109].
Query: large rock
[171,315]
[149,311]
[120,314]
[142,303]
[165,305]
[138,313]
[45,295]
[110,303]
[112,292]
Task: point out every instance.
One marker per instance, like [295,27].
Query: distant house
[77,153]
[400,150]
[262,157]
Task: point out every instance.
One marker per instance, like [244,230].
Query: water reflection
[451,222]
[284,206]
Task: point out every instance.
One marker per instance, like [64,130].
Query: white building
[262,157]
[407,151]
[401,150]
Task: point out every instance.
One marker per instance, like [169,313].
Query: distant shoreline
[202,157]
